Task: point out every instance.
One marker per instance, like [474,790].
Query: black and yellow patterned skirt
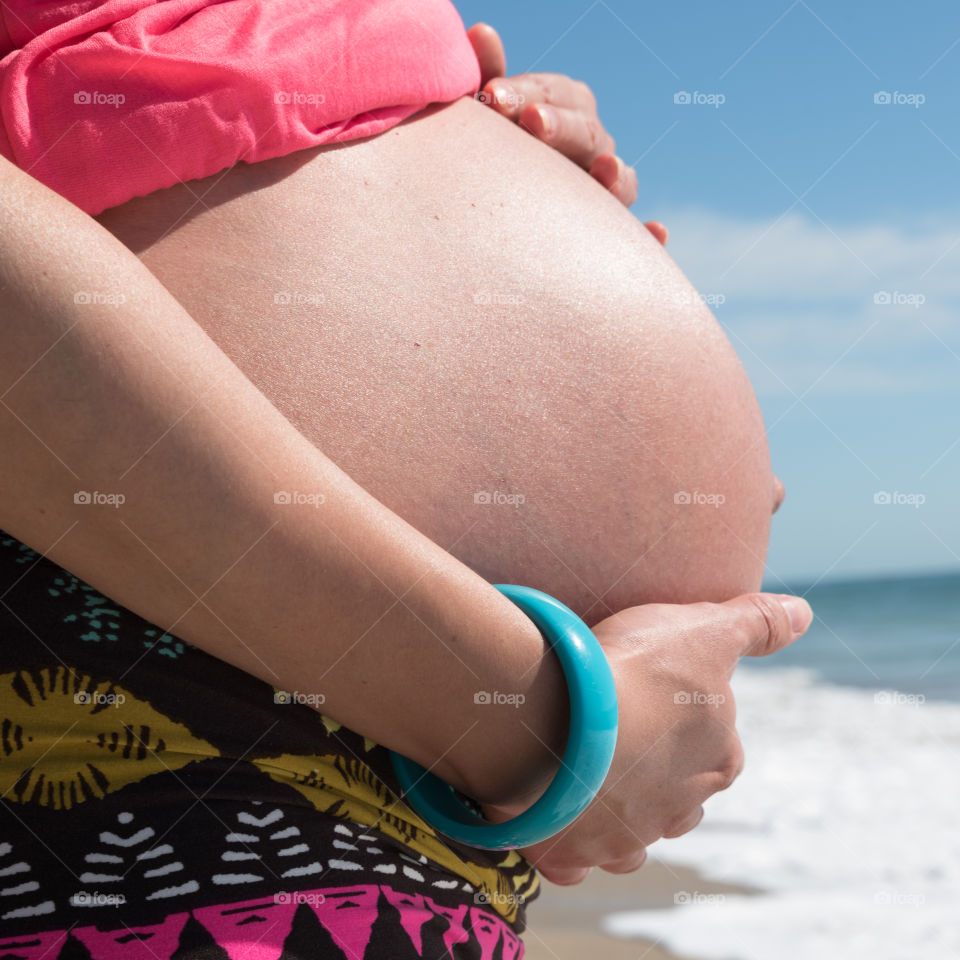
[155,801]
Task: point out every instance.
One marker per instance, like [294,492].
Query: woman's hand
[559,111]
[677,743]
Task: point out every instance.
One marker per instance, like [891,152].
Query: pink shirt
[104,101]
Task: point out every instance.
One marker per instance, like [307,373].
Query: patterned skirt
[157,802]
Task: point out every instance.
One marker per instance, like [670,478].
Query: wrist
[517,718]
[586,757]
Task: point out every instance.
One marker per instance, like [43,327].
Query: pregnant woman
[304,347]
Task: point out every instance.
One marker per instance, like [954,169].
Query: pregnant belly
[484,339]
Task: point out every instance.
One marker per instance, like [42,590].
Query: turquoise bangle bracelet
[586,759]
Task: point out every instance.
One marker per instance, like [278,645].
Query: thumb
[768,622]
[488,47]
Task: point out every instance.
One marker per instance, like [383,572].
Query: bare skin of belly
[451,310]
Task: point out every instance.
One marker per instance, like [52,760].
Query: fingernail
[503,94]
[548,120]
[799,612]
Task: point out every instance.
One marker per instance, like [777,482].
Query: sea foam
[846,816]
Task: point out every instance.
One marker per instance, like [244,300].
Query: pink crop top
[104,101]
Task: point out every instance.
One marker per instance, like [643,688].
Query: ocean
[847,815]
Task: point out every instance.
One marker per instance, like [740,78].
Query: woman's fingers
[684,825]
[626,864]
[550,89]
[659,231]
[611,172]
[576,133]
[565,876]
[488,47]
[558,110]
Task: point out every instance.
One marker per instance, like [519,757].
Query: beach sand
[563,923]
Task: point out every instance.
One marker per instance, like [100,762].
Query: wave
[845,816]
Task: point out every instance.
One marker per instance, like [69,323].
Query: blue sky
[826,222]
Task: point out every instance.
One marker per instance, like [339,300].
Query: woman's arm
[107,386]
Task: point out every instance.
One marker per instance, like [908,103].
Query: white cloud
[798,296]
[799,257]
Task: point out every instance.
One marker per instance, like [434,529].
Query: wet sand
[564,922]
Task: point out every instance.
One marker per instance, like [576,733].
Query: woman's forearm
[109,388]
